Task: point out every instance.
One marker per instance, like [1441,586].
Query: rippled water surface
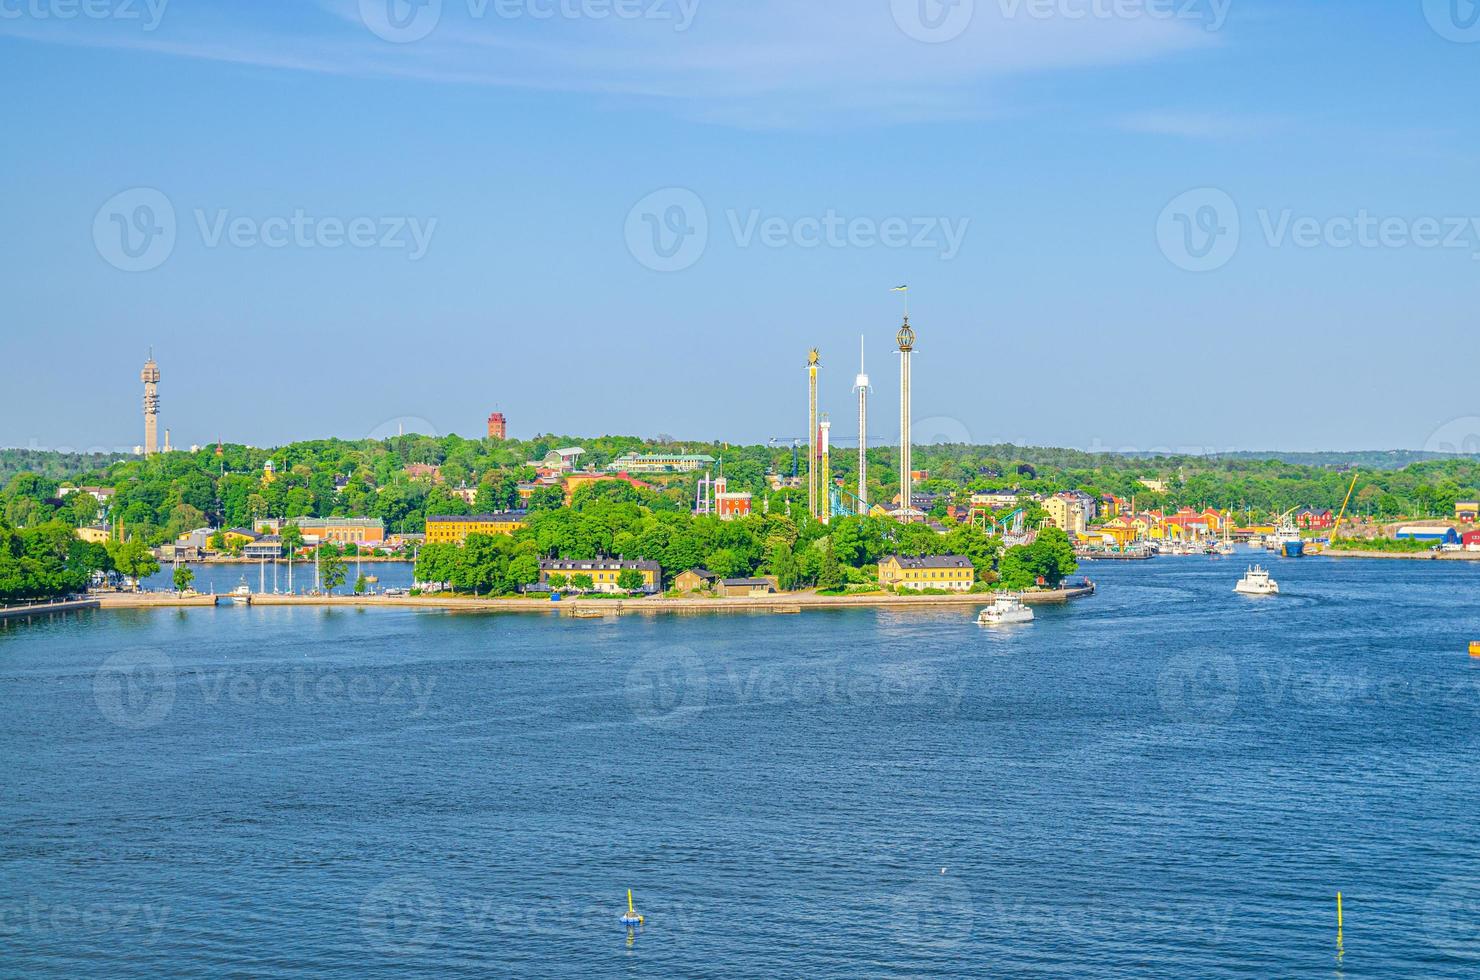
[1164,780]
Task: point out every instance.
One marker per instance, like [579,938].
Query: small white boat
[243,591]
[1257,541]
[1256,581]
[1225,548]
[1005,609]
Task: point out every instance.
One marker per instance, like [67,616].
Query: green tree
[784,566]
[184,577]
[360,585]
[581,582]
[332,571]
[629,580]
[134,560]
[830,573]
[558,581]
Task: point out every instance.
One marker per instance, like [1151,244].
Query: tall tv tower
[150,377]
[860,385]
[814,361]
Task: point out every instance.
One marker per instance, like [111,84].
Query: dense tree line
[160,497]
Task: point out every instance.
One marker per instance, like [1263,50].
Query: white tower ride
[906,338]
[860,385]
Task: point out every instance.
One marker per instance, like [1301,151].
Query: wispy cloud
[1198,125]
[766,62]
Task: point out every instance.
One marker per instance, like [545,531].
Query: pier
[46,608]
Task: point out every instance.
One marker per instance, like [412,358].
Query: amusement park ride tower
[906,338]
[860,385]
[814,361]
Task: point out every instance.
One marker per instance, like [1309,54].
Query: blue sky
[1178,224]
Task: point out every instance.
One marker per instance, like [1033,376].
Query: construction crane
[1349,491]
[776,442]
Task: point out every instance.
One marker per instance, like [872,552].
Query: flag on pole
[900,289]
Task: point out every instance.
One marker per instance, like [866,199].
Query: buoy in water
[631,919]
[1475,649]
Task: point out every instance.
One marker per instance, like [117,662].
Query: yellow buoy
[631,918]
[1475,648]
[1340,950]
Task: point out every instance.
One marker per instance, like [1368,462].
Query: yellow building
[604,572]
[455,530]
[1467,511]
[950,572]
[1067,513]
[95,535]
[238,536]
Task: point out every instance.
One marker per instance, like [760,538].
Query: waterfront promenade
[780,603]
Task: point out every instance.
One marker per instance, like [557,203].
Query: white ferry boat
[1256,581]
[1005,609]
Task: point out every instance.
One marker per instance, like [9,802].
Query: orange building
[574,481]
[497,427]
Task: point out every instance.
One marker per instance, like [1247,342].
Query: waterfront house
[694,580]
[269,547]
[1470,540]
[1312,519]
[1467,511]
[239,536]
[604,572]
[954,573]
[746,588]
